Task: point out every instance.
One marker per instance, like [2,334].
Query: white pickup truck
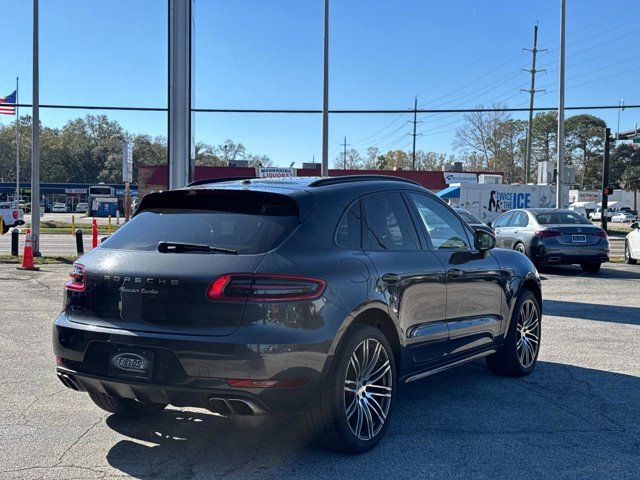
[11,216]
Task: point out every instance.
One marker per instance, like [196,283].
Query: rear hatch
[155,272]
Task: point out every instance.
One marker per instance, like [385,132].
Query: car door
[500,227]
[634,243]
[476,285]
[409,277]
[519,221]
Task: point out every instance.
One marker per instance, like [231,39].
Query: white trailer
[488,202]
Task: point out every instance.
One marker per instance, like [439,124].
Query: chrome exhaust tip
[233,406]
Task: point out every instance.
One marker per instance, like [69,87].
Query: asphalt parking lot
[577,416]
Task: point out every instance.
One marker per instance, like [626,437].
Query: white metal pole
[325,95]
[17,142]
[560,163]
[35,153]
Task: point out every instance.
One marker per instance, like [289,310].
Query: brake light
[283,383]
[601,233]
[15,214]
[265,287]
[548,233]
[77,281]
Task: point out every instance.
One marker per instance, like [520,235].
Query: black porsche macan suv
[309,295]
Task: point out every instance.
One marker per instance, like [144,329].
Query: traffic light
[608,191]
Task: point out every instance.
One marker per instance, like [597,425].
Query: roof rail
[217,180]
[359,178]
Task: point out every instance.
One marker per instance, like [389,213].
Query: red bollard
[94,234]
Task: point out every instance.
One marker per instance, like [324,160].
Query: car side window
[443,227]
[519,219]
[503,221]
[387,224]
[349,232]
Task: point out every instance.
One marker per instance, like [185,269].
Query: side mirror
[489,225]
[635,225]
[484,240]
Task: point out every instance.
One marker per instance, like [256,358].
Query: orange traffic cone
[27,258]
[94,233]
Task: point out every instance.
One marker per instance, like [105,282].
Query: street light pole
[325,95]
[560,163]
[35,151]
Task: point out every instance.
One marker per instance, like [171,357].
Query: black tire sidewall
[511,341]
[335,394]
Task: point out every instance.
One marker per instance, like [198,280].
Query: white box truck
[488,202]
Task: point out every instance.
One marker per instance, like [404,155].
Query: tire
[591,267]
[519,247]
[329,423]
[627,254]
[515,359]
[125,406]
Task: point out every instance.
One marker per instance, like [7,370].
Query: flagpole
[17,144]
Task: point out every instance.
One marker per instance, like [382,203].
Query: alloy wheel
[528,333]
[520,248]
[368,388]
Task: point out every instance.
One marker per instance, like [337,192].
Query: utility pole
[414,134]
[17,143]
[605,177]
[621,104]
[560,163]
[35,150]
[325,95]
[532,92]
[344,153]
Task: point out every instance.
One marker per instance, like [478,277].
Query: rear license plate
[578,238]
[131,362]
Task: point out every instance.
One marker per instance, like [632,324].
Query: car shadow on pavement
[632,273]
[560,422]
[592,311]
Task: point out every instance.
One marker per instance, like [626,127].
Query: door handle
[455,273]
[391,278]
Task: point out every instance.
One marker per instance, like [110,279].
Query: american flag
[5,104]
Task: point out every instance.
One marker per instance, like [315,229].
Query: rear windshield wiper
[177,247]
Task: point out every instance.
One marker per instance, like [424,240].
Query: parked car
[632,244]
[317,296]
[553,236]
[82,207]
[59,208]
[470,218]
[11,216]
[624,216]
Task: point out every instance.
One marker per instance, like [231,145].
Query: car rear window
[469,217]
[247,222]
[561,218]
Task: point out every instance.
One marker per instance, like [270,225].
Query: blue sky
[268,54]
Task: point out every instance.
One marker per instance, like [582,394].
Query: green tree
[623,156]
[630,180]
[585,140]
[544,136]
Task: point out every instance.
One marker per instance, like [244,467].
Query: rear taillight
[601,233]
[282,383]
[77,280]
[15,214]
[548,233]
[265,287]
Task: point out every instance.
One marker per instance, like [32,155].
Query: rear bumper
[189,370]
[569,256]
